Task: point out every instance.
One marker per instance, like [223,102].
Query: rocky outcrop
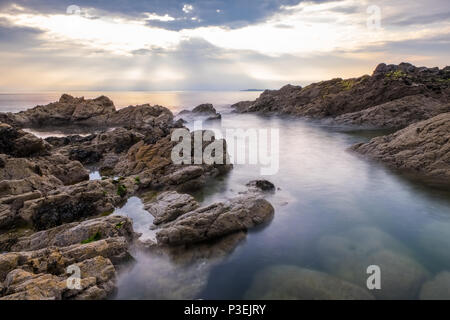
[93,148]
[285,282]
[422,148]
[98,112]
[396,114]
[77,232]
[18,143]
[170,205]
[153,163]
[205,112]
[38,266]
[72,203]
[337,96]
[216,220]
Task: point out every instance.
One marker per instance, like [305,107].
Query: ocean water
[335,213]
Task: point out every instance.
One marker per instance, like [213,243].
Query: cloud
[187,8]
[43,48]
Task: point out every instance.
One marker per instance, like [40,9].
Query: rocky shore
[413,100]
[52,217]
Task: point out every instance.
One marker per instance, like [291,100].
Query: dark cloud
[13,38]
[233,13]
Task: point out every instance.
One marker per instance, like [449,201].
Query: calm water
[334,212]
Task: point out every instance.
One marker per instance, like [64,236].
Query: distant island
[253,90]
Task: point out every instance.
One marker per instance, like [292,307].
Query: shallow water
[335,212]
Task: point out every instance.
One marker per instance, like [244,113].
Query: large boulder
[422,148]
[18,143]
[169,205]
[216,220]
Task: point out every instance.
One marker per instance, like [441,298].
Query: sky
[155,45]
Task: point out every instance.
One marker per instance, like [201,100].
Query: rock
[348,258]
[92,149]
[76,202]
[18,143]
[216,220]
[170,205]
[421,148]
[77,232]
[205,112]
[206,108]
[97,282]
[396,114]
[261,185]
[285,282]
[437,289]
[336,97]
[153,163]
[98,112]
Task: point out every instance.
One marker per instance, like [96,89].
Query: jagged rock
[18,143]
[77,232]
[153,163]
[97,281]
[92,149]
[73,203]
[285,282]
[437,289]
[396,114]
[216,220]
[337,96]
[261,185]
[205,112]
[98,112]
[170,205]
[422,148]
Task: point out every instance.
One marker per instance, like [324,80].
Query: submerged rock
[437,289]
[349,257]
[421,148]
[285,282]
